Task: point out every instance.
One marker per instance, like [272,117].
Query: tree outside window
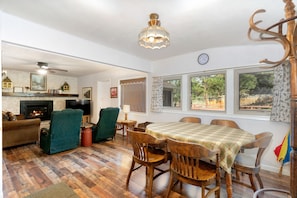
[255,91]
[208,92]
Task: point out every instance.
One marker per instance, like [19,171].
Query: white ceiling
[25,59]
[193,25]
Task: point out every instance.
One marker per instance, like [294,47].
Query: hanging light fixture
[154,36]
[42,68]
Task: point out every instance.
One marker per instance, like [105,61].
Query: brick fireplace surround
[12,104]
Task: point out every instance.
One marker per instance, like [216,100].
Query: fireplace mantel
[37,94]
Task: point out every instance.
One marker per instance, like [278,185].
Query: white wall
[219,58]
[107,79]
[22,79]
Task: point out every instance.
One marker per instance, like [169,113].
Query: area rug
[60,190]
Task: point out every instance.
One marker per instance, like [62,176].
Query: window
[208,92]
[254,91]
[133,93]
[172,93]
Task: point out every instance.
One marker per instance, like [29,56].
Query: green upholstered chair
[106,126]
[64,131]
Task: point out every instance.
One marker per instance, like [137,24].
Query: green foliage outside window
[255,90]
[208,92]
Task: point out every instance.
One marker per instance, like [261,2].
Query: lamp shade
[126,108]
[42,71]
[154,36]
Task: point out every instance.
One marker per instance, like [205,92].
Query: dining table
[228,140]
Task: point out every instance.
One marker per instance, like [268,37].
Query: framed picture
[87,93]
[18,89]
[38,82]
[113,92]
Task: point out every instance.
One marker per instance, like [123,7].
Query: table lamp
[126,110]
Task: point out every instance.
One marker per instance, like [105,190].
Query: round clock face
[203,59]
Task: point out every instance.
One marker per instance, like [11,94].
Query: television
[84,105]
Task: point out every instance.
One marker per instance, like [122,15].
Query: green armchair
[64,131]
[106,126]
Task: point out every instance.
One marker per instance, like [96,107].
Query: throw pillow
[5,117]
[11,116]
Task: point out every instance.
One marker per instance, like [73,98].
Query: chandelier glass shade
[154,36]
[42,71]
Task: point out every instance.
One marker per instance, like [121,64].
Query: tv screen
[84,105]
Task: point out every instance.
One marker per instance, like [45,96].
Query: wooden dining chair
[250,164]
[229,123]
[186,166]
[190,119]
[142,126]
[145,154]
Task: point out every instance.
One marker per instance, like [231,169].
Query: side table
[126,124]
[86,134]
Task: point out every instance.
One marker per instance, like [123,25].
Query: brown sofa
[20,131]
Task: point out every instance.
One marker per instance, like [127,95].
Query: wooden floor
[97,171]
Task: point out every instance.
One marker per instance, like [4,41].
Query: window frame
[178,77]
[237,72]
[206,73]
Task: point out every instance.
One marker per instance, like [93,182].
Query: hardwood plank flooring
[98,171]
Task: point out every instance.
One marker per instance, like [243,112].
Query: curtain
[133,93]
[157,94]
[281,94]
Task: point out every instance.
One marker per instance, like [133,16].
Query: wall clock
[203,59]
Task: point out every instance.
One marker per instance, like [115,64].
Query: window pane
[172,93]
[133,93]
[208,92]
[255,91]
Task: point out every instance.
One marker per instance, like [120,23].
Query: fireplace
[36,109]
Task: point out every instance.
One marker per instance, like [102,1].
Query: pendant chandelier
[154,36]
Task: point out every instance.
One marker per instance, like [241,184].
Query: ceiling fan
[44,68]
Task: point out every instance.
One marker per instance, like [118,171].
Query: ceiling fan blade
[56,69]
[44,65]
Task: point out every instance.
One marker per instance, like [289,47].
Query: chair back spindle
[243,161]
[147,152]
[187,166]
